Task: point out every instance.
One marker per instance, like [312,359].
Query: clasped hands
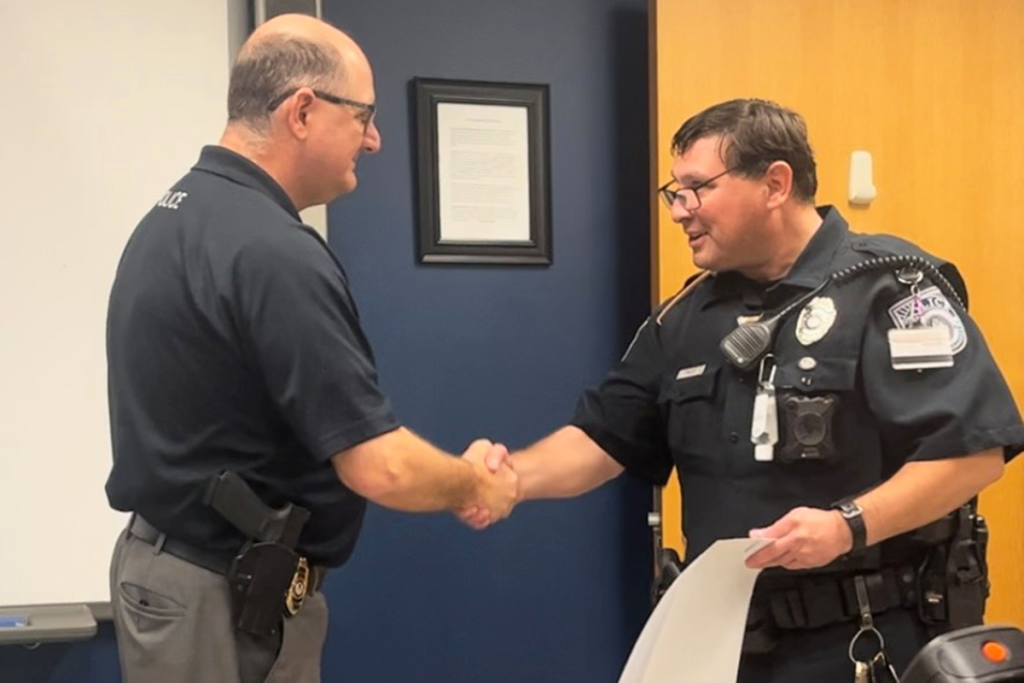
[497,485]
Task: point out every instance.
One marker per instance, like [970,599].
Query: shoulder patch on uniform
[933,309]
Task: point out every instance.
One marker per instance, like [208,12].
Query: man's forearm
[401,471]
[921,492]
[564,464]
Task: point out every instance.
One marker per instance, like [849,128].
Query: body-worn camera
[807,428]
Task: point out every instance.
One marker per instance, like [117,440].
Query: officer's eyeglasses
[689,197]
[366,110]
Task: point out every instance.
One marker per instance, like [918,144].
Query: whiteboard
[105,104]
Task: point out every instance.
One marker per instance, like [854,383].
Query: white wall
[104,104]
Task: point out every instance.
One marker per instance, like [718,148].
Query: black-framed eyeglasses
[366,110]
[689,197]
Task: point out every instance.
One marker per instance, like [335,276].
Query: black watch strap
[854,516]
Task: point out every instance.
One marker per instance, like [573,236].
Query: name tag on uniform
[693,371]
[920,348]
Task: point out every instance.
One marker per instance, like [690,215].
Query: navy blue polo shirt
[233,343]
[674,400]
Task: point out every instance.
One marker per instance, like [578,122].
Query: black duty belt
[218,563]
[818,601]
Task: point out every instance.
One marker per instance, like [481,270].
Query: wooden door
[934,89]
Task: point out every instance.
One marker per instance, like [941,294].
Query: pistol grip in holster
[231,496]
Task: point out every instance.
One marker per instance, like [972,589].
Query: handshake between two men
[405,472]
[497,484]
[565,464]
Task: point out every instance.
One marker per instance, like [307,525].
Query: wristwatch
[853,514]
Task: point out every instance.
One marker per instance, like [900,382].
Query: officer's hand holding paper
[696,630]
[804,538]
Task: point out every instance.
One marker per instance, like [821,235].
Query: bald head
[302,27]
[287,52]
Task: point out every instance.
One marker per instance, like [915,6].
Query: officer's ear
[297,112]
[778,180]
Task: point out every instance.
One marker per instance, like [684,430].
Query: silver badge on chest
[815,320]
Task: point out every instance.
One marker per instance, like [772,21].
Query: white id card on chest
[921,348]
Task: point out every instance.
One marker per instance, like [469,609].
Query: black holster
[261,578]
[268,577]
[953,578]
[666,570]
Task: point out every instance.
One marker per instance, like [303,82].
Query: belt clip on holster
[267,577]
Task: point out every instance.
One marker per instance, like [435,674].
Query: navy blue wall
[559,591]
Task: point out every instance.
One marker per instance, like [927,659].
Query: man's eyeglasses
[366,110]
[689,197]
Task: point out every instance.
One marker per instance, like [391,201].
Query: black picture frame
[429,93]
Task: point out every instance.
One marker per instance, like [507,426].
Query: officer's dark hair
[274,65]
[754,134]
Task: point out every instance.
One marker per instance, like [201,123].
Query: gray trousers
[173,625]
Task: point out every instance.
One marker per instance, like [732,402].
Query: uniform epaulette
[690,285]
[881,244]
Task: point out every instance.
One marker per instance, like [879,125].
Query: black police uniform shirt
[234,343]
[674,399]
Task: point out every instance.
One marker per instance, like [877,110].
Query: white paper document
[483,172]
[695,633]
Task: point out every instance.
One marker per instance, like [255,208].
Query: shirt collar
[227,164]
[813,264]
[811,267]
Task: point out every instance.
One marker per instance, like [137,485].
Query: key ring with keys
[865,668]
[865,630]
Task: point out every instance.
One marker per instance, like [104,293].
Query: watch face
[849,509]
[852,513]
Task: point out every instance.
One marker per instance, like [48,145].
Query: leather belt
[214,562]
[144,531]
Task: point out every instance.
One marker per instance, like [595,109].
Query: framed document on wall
[483,166]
